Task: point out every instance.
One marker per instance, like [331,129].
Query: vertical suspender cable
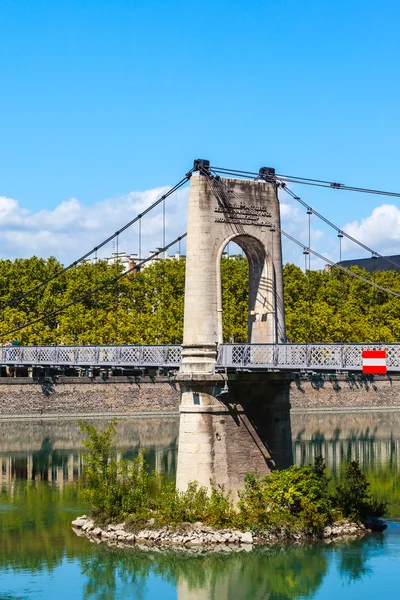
[374,257]
[163,258]
[309,212]
[273,288]
[229,321]
[307,276]
[116,289]
[340,236]
[96,341]
[140,238]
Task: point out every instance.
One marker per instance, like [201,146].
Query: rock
[375,524]
[143,535]
[219,538]
[327,532]
[88,526]
[79,522]
[226,536]
[247,538]
[119,527]
[194,543]
[151,521]
[96,531]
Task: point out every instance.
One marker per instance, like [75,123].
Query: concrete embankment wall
[82,396]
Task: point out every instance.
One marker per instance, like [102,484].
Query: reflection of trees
[353,557]
[379,460]
[280,573]
[35,529]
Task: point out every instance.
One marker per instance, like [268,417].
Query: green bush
[296,498]
[353,498]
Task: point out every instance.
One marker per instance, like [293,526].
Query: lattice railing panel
[325,356]
[289,355]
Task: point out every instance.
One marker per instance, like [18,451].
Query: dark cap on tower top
[201,164]
[267,172]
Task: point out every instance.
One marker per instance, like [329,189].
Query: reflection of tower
[221,584]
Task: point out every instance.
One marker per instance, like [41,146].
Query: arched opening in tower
[247,294]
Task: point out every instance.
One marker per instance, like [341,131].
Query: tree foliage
[147,307]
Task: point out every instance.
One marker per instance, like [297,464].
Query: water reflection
[40,466]
[51,450]
[274,573]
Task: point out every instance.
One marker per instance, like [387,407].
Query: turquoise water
[40,557]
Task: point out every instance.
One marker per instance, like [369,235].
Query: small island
[132,506]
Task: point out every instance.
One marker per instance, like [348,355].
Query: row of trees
[147,308]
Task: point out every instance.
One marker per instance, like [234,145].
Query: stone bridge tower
[225,435]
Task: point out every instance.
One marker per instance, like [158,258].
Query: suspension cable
[338,266]
[94,290]
[307,250]
[103,243]
[306,181]
[280,181]
[336,228]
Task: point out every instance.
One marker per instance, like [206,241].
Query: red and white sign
[374,362]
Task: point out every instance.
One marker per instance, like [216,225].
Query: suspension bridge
[225,430]
[233,212]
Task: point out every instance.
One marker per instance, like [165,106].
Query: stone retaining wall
[81,396]
[24,397]
[345,391]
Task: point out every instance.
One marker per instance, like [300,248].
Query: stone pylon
[247,213]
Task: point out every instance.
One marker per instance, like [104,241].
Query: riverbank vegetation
[295,499]
[147,308]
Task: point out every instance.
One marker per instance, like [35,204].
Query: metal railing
[298,357]
[277,357]
[91,356]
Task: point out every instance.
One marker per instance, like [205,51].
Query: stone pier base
[223,436]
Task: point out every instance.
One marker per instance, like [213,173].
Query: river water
[41,558]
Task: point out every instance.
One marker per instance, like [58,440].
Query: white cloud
[380,231]
[72,228]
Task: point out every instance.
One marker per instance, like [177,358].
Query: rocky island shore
[201,536]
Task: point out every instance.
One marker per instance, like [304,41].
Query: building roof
[373,264]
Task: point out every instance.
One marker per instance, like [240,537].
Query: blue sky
[102,98]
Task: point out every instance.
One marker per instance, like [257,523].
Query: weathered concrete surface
[220,212]
[20,397]
[225,437]
[352,391]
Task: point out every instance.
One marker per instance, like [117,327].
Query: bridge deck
[276,357]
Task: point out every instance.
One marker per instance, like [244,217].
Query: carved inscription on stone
[243,214]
